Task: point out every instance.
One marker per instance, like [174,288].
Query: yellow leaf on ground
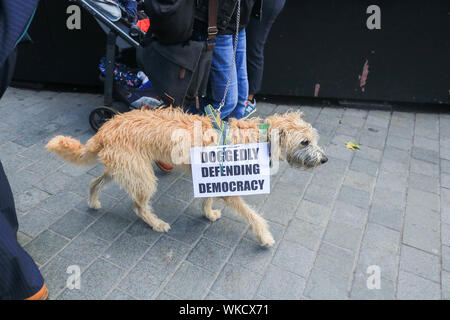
[352,146]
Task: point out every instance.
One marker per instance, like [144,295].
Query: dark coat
[226,18]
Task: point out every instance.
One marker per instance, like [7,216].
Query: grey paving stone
[349,214]
[188,229]
[35,221]
[275,229]
[142,232]
[190,282]
[293,257]
[355,197]
[343,235]
[396,154]
[380,247]
[313,212]
[389,198]
[166,253]
[99,278]
[445,153]
[182,190]
[421,229]
[360,290]
[369,153]
[304,233]
[143,281]
[359,180]
[125,251]
[372,140]
[280,284]
[251,255]
[420,263]
[426,168]
[56,275]
[445,166]
[399,142]
[281,211]
[54,182]
[445,180]
[335,260]
[330,179]
[446,258]
[401,131]
[108,203]
[74,294]
[425,143]
[214,296]
[445,205]
[386,216]
[72,223]
[236,282]
[425,155]
[445,285]
[109,226]
[392,181]
[413,287]
[396,167]
[44,246]
[423,199]
[209,255]
[445,233]
[365,166]
[168,208]
[22,238]
[322,285]
[23,180]
[46,166]
[29,199]
[339,152]
[84,249]
[424,183]
[61,203]
[320,194]
[225,231]
[119,295]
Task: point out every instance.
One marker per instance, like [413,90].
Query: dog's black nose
[324,160]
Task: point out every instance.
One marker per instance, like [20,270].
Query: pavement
[369,224]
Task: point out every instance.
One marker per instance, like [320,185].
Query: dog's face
[298,140]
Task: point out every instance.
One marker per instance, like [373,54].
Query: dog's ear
[145,108]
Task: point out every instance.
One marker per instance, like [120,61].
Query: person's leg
[218,77]
[242,79]
[19,276]
[257,32]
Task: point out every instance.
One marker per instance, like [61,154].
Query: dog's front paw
[213,215]
[96,205]
[266,239]
[161,226]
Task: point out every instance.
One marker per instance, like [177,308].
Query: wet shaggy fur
[129,142]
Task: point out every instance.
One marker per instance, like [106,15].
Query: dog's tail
[73,151]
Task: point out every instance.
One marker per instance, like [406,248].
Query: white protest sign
[240,169]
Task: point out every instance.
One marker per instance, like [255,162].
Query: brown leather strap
[213,8]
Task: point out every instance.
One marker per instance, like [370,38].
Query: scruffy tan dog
[129,142]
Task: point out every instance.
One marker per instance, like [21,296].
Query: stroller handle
[97,14]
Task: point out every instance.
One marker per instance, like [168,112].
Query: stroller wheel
[100,115]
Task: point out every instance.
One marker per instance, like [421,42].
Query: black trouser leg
[19,276]
[257,32]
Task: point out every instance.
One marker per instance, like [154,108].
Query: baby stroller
[123,34]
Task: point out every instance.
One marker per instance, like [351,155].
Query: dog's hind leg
[140,182]
[96,187]
[211,214]
[259,225]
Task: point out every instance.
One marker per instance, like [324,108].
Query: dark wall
[313,43]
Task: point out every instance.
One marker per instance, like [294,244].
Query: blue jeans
[221,64]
